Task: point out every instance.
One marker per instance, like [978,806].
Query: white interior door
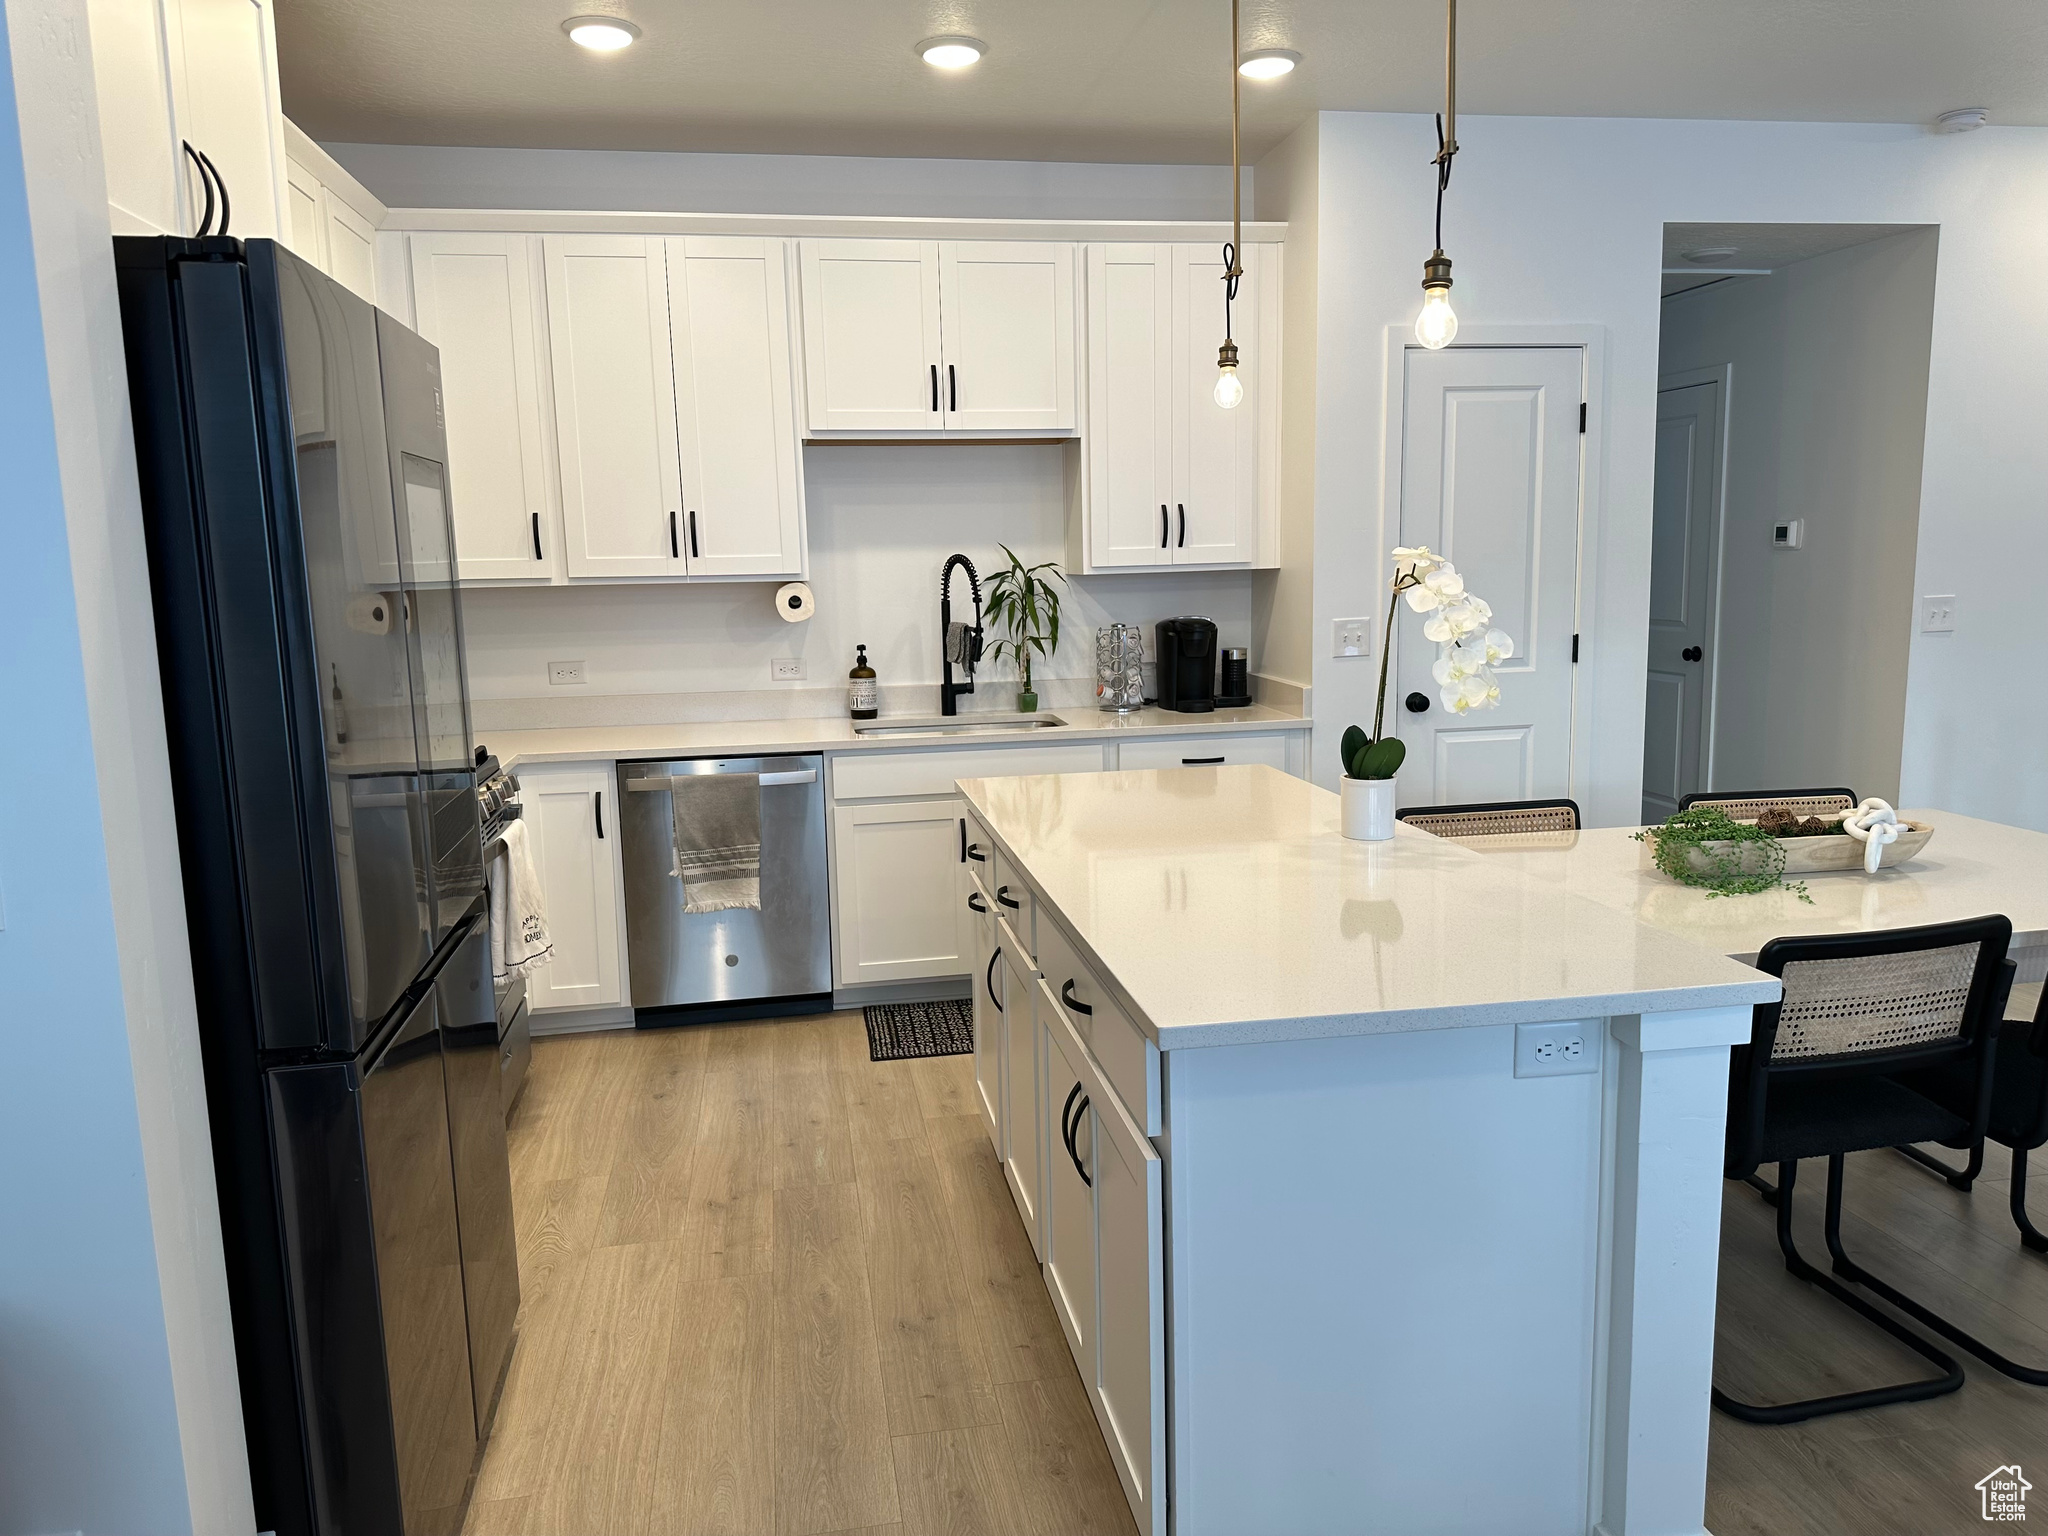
[473,298]
[871,335]
[615,407]
[1216,479]
[742,479]
[1683,531]
[1007,335]
[1131,399]
[1490,467]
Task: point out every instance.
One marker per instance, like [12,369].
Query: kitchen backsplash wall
[883,518]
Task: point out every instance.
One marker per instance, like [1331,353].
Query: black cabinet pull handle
[974,903]
[597,804]
[963,839]
[935,386]
[1070,1131]
[1183,544]
[989,980]
[674,553]
[1003,897]
[974,852]
[536,537]
[693,533]
[1200,762]
[1418,703]
[1067,997]
[1165,525]
[952,390]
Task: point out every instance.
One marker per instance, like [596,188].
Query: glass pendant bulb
[1229,387]
[1438,322]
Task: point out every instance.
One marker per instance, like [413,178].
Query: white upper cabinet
[615,408]
[1006,329]
[169,72]
[1172,478]
[920,336]
[742,470]
[871,335]
[473,298]
[331,219]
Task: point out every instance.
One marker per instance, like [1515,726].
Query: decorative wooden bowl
[1832,853]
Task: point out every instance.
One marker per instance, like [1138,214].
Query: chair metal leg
[1840,1402]
[1958,1178]
[1848,1268]
[2030,1235]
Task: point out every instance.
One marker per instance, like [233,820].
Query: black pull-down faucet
[970,636]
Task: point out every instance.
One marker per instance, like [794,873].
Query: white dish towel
[519,918]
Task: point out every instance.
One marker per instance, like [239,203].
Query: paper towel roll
[795,602]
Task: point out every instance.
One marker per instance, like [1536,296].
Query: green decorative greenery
[1024,605]
[1706,835]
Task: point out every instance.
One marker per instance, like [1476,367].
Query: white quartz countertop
[577,744]
[1969,868]
[1223,907]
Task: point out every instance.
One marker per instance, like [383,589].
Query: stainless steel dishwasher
[736,963]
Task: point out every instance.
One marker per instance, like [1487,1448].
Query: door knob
[1692,653]
[1417,702]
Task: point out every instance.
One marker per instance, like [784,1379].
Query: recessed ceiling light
[1268,63]
[1710,255]
[601,34]
[951,52]
[1962,120]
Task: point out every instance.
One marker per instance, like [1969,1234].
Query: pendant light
[1438,322]
[1229,387]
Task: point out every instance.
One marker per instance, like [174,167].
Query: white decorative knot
[1875,825]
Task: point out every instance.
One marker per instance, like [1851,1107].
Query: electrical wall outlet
[1557,1050]
[1351,637]
[563,674]
[1938,614]
[787,669]
[1790,535]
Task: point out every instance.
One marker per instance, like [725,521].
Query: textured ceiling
[1120,80]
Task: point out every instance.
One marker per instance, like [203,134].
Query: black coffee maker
[1187,665]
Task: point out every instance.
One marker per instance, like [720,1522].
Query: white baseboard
[925,990]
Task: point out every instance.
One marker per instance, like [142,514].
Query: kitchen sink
[956,725]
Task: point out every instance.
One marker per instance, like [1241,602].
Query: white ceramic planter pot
[1368,809]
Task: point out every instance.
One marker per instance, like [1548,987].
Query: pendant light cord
[1231,270]
[1446,120]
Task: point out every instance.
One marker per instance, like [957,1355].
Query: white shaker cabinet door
[349,243]
[1130,404]
[1024,1089]
[899,891]
[224,78]
[741,459]
[1007,332]
[473,297]
[572,822]
[1129,1383]
[1216,480]
[306,223]
[988,1013]
[615,408]
[871,335]
[1067,1125]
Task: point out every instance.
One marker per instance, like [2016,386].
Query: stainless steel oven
[735,962]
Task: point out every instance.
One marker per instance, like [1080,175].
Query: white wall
[637,181]
[883,519]
[1560,221]
[1826,419]
[119,1406]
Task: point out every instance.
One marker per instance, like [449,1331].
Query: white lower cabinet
[988,1013]
[1067,1115]
[571,813]
[899,897]
[1202,752]
[1024,1130]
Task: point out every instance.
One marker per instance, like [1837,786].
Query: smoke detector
[1709,255]
[1962,120]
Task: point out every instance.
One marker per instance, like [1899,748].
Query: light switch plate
[566,673]
[1351,637]
[1557,1050]
[1790,535]
[1938,614]
[787,669]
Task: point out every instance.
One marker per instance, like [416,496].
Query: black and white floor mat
[900,1031]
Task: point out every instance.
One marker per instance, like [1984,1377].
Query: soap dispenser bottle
[862,699]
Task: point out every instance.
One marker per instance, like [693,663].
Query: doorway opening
[1791,417]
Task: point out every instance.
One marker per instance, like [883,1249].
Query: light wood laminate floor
[773,1287]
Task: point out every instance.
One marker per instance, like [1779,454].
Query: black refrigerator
[296,505]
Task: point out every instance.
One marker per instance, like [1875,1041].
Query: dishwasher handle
[665,781]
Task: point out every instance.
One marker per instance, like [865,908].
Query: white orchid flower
[1445,582]
[1415,562]
[1421,599]
[1438,628]
[1499,646]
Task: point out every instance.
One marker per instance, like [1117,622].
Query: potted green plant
[1468,648]
[1024,606]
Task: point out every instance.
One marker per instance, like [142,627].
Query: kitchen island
[1376,1185]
